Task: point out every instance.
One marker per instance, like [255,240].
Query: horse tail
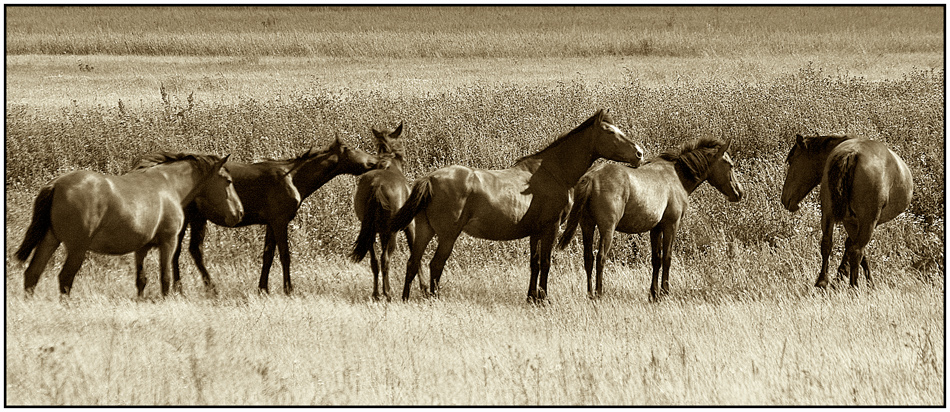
[581,198]
[368,228]
[39,225]
[840,182]
[419,199]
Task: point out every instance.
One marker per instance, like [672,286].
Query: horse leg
[844,269]
[421,238]
[176,269]
[283,246]
[410,232]
[669,233]
[827,232]
[546,246]
[140,279]
[270,246]
[533,293]
[387,244]
[41,256]
[606,240]
[437,264]
[74,259]
[198,231]
[855,254]
[656,260]
[165,250]
[587,235]
[374,264]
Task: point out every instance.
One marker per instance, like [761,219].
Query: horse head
[804,172]
[352,161]
[721,175]
[612,143]
[218,195]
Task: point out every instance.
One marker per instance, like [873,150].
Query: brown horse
[272,191]
[527,199]
[863,184]
[379,194]
[115,215]
[653,197]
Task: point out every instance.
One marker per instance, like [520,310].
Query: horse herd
[863,184]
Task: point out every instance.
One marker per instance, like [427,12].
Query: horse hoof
[821,283]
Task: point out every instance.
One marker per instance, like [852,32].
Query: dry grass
[742,326]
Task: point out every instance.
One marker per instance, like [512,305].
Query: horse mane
[817,143]
[587,123]
[158,158]
[691,157]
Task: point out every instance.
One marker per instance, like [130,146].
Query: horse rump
[370,225]
[39,225]
[581,197]
[419,198]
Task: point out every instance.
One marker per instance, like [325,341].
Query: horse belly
[130,229]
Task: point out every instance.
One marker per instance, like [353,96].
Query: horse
[653,197]
[272,191]
[863,184]
[526,200]
[115,215]
[379,194]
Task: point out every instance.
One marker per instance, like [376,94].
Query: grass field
[482,87]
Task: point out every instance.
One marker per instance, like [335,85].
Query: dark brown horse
[653,197]
[272,191]
[379,194]
[527,199]
[115,215]
[863,184]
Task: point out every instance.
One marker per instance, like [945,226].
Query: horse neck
[824,150]
[315,173]
[565,161]
[390,161]
[690,183]
[184,177]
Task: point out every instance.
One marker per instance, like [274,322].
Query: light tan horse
[115,215]
[863,184]
[527,199]
[379,194]
[653,197]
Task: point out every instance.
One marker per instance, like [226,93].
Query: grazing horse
[527,199]
[272,191]
[115,215]
[863,184]
[379,194]
[653,197]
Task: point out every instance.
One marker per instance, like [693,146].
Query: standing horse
[653,197]
[863,184]
[115,215]
[272,191]
[379,194]
[527,199]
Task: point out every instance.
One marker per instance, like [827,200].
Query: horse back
[491,204]
[637,199]
[266,191]
[112,214]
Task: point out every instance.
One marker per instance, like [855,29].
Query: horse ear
[722,149]
[396,133]
[799,139]
[220,163]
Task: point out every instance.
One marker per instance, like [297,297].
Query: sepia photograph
[475,205]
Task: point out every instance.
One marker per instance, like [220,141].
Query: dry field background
[482,87]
